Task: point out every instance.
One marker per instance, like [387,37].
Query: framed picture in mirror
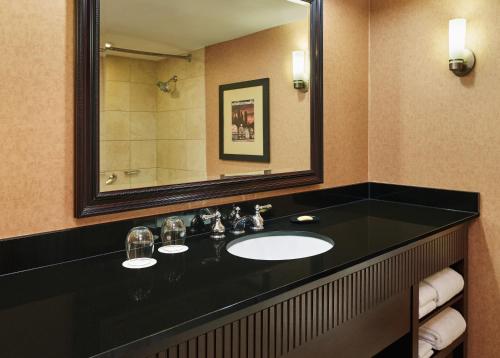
[244,121]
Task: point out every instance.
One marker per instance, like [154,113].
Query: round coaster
[173,249]
[139,263]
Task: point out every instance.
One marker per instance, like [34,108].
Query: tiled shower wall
[159,136]
[181,121]
[128,122]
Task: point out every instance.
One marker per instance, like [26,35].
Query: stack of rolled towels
[436,290]
[424,349]
[440,331]
[427,299]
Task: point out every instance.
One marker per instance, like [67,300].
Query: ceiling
[180,26]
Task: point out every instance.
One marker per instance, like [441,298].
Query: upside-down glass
[173,231]
[139,243]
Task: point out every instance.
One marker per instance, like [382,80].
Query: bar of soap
[305,218]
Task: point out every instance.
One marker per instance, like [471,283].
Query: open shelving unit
[458,349]
[407,346]
[451,303]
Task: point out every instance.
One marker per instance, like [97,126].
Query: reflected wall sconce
[299,70]
[462,59]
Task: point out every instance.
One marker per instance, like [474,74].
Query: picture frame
[244,121]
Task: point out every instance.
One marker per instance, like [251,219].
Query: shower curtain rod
[138,52]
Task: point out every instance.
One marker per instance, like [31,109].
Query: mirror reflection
[199,90]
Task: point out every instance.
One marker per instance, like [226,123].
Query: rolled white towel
[442,330]
[426,294]
[428,355]
[424,310]
[447,284]
[424,349]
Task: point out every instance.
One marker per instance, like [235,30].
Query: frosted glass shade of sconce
[299,70]
[457,33]
[299,65]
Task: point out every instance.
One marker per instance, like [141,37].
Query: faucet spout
[239,225]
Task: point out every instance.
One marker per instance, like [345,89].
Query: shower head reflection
[168,86]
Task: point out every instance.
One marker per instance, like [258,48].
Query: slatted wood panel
[278,329]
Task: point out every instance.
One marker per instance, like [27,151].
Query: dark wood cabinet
[370,309]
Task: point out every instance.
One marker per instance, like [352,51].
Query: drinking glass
[173,231]
[139,243]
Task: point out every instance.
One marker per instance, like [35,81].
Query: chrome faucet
[218,228]
[257,219]
[238,226]
[235,213]
[197,223]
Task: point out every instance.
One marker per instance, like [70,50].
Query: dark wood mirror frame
[90,201]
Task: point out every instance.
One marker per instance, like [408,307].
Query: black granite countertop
[93,306]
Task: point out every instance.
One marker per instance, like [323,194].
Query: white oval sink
[279,245]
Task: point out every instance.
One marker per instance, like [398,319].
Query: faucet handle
[258,220]
[235,213]
[211,216]
[262,208]
[218,228]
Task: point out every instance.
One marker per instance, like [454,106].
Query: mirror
[179,100]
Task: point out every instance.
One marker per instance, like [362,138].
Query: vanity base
[364,336]
[356,312]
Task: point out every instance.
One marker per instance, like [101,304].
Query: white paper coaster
[173,249]
[139,263]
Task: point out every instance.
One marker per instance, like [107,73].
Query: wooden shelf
[440,309]
[448,350]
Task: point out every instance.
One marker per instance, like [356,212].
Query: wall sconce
[299,70]
[462,60]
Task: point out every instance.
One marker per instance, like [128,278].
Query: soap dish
[139,263]
[304,219]
[173,249]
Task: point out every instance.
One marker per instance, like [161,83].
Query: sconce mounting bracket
[300,85]
[462,67]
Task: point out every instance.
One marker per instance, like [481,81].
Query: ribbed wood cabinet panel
[275,330]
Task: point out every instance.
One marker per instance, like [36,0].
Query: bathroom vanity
[184,102]
[357,299]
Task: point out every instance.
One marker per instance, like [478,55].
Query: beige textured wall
[430,128]
[36,176]
[265,54]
